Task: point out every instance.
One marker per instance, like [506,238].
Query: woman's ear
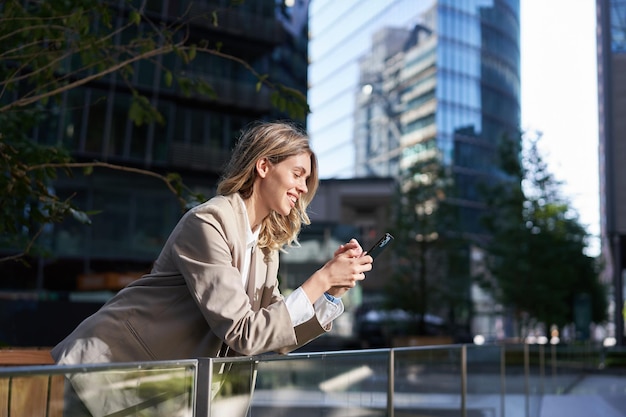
[262,167]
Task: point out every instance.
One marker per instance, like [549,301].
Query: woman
[214,286]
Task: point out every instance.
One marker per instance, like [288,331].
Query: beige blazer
[193,300]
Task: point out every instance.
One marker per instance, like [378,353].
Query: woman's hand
[347,267]
[353,245]
[349,260]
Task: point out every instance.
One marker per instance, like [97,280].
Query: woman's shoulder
[219,213]
[218,203]
[223,208]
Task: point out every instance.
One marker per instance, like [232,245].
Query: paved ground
[592,396]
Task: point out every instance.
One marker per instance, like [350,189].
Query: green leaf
[173,177]
[134,17]
[158,117]
[274,98]
[205,88]
[185,86]
[168,78]
[259,84]
[136,113]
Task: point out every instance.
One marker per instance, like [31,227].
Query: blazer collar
[258,267]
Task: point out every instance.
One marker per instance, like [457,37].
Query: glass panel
[618,26]
[96,123]
[111,227]
[328,384]
[427,381]
[536,378]
[197,128]
[216,131]
[501,380]
[561,371]
[485,378]
[162,136]
[153,223]
[139,140]
[149,389]
[135,220]
[516,379]
[232,386]
[74,119]
[117,141]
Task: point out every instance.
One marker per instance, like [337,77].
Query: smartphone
[380,246]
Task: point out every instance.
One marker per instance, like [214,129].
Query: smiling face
[280,185]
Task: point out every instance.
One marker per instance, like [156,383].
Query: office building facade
[393,83]
[611,50]
[404,80]
[135,213]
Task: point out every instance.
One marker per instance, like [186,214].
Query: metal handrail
[533,361]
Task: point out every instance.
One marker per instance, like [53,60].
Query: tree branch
[27,249]
[79,82]
[111,166]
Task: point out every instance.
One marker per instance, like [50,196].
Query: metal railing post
[542,370]
[464,380]
[503,380]
[390,383]
[553,350]
[527,380]
[203,387]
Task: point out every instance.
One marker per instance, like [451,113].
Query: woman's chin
[283,212]
[288,210]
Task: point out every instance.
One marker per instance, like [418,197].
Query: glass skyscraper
[611,47]
[392,82]
[397,83]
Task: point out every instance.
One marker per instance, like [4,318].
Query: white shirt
[298,304]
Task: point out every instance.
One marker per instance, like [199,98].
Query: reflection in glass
[331,384]
[144,390]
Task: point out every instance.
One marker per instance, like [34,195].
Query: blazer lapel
[256,278]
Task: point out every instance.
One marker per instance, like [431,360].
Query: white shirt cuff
[299,307]
[301,310]
[327,311]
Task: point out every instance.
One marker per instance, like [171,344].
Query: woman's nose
[302,187]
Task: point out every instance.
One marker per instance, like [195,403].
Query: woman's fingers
[349,270]
[352,249]
[348,266]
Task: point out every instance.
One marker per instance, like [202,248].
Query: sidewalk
[593,396]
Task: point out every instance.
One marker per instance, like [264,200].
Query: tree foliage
[431,275]
[50,47]
[537,266]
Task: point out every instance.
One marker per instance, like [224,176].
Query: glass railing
[438,381]
[141,389]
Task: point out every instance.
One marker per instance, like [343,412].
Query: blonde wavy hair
[275,141]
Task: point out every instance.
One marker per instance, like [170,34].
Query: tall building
[136,213]
[611,50]
[398,81]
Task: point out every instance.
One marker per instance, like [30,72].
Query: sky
[559,97]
